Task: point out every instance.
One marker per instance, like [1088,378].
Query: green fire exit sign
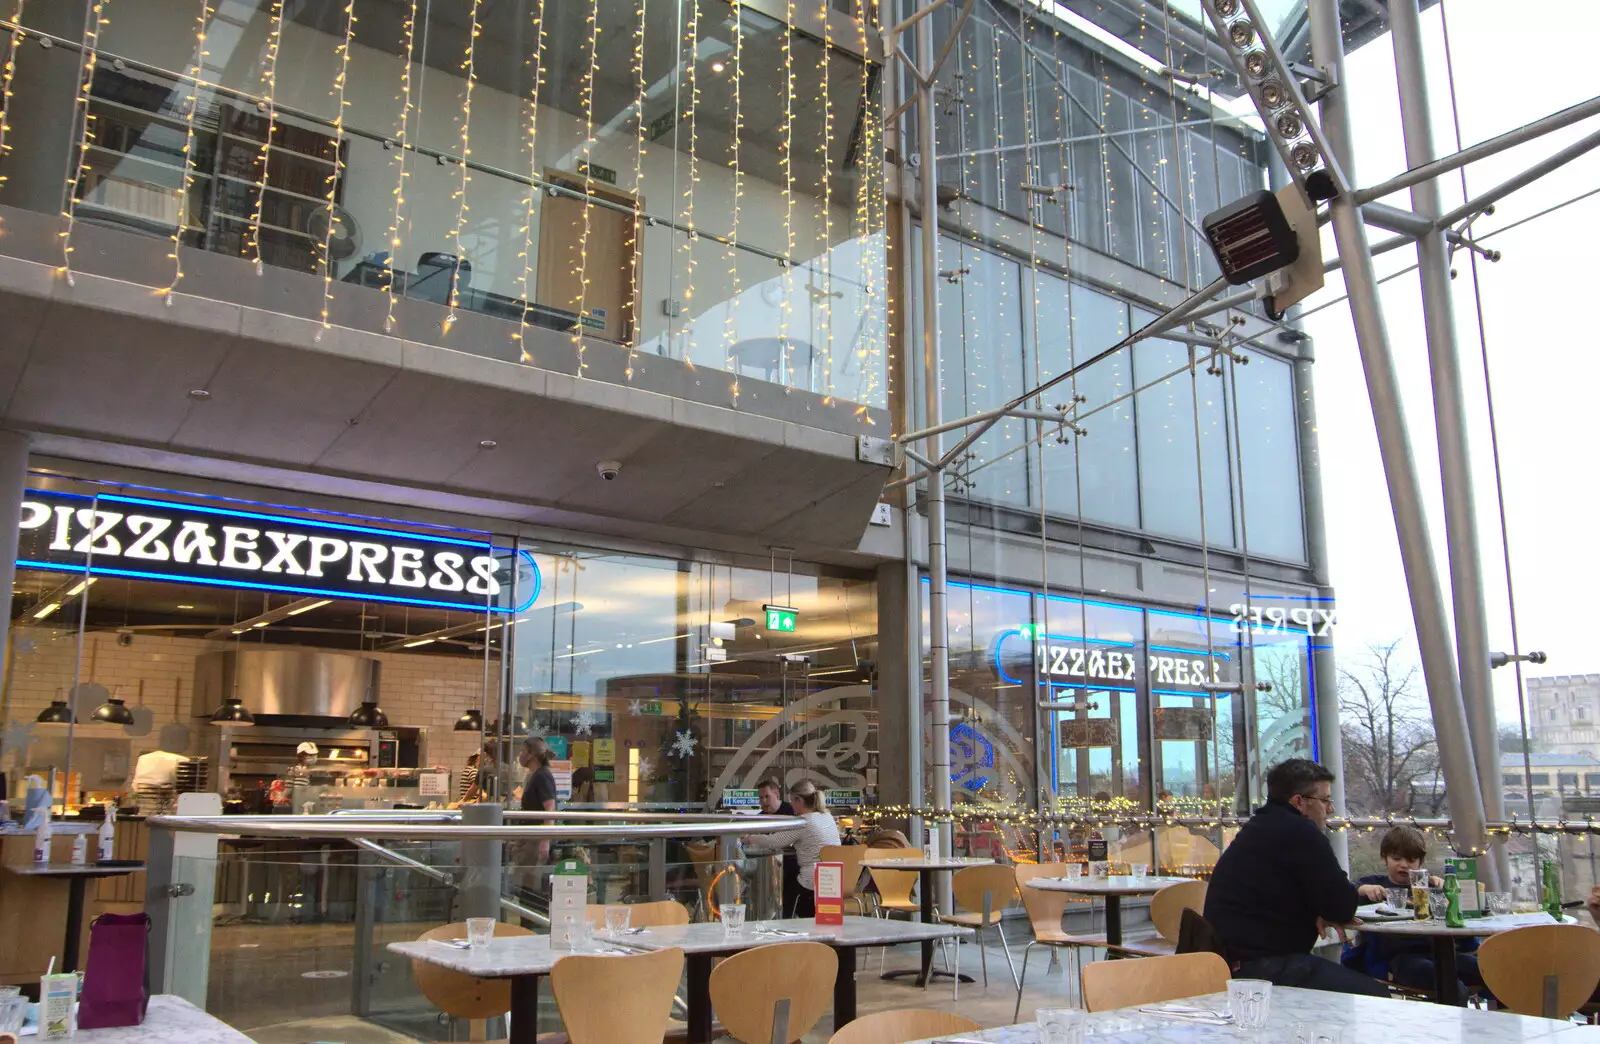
[781,618]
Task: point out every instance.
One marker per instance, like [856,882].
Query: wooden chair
[850,856]
[899,1027]
[746,989]
[985,891]
[641,915]
[458,994]
[1045,911]
[894,886]
[606,1000]
[1166,913]
[1543,969]
[1154,980]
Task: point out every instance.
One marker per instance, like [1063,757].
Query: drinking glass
[1498,903]
[1060,1025]
[617,918]
[1074,871]
[1099,868]
[1437,903]
[1249,1000]
[13,1012]
[733,918]
[1399,898]
[1317,1033]
[479,931]
[1137,871]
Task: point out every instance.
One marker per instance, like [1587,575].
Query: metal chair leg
[1007,951]
[983,957]
[1016,1013]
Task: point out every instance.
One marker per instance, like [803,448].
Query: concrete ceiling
[107,363]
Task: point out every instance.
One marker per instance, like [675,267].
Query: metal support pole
[481,863]
[658,869]
[938,575]
[1394,443]
[1449,413]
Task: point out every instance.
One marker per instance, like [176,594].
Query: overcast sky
[1513,64]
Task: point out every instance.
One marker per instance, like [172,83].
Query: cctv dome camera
[609,469]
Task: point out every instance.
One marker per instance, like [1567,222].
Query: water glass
[733,918]
[479,931]
[1399,898]
[1139,871]
[13,1013]
[1437,903]
[1099,868]
[1249,1000]
[1060,1025]
[1497,903]
[617,919]
[1317,1033]
[1074,871]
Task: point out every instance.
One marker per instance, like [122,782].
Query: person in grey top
[819,831]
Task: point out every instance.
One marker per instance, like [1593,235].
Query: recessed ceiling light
[185,607]
[199,393]
[718,66]
[487,444]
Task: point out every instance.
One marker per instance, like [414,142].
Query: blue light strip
[1189,652]
[316,523]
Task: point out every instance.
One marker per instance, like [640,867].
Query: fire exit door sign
[781,618]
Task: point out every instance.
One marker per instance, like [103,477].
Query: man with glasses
[1278,886]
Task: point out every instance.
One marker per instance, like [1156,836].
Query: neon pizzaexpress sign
[116,535]
[1060,661]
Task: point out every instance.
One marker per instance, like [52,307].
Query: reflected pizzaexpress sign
[115,535]
[1067,662]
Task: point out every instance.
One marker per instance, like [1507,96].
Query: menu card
[569,897]
[829,893]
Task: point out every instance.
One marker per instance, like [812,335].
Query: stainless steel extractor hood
[279,683]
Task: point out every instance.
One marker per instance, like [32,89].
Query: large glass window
[1269,459]
[1170,414]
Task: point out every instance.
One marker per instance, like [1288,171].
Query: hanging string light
[826,253]
[78,163]
[587,168]
[469,66]
[6,77]
[196,70]
[868,157]
[534,178]
[729,332]
[340,80]
[636,226]
[269,93]
[786,159]
[691,235]
[402,138]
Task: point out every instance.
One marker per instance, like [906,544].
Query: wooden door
[609,259]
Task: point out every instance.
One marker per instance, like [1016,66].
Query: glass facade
[1092,706]
[1006,327]
[695,180]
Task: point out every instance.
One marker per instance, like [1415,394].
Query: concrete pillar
[481,861]
[899,689]
[13,480]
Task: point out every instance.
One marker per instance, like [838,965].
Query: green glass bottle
[1452,899]
[1552,888]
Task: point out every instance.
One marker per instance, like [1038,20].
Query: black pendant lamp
[58,713]
[232,712]
[472,721]
[369,716]
[113,711]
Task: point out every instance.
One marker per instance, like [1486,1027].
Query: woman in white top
[808,842]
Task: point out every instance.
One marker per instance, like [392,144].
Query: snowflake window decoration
[684,745]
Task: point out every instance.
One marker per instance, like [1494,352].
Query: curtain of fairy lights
[536,81]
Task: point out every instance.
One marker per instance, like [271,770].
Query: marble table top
[1475,926]
[1363,1019]
[916,862]
[504,957]
[167,1019]
[1105,885]
[73,870]
[856,931]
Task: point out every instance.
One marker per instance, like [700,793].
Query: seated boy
[1406,962]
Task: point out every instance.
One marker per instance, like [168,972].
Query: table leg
[1446,983]
[698,966]
[525,1009]
[1114,920]
[69,952]
[844,988]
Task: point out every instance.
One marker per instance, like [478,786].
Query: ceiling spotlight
[718,66]
[1255,63]
[199,394]
[1304,155]
[1289,125]
[1226,8]
[1272,94]
[1241,33]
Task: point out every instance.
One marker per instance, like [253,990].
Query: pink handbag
[115,987]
